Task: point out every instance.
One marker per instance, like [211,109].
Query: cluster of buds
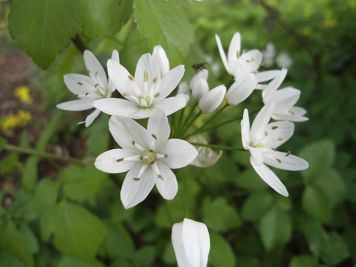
[149,154]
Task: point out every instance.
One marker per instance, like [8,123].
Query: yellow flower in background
[15,120]
[23,94]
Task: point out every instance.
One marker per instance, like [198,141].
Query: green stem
[233,148]
[46,155]
[190,123]
[185,121]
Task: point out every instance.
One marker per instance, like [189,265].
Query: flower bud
[199,84]
[206,156]
[191,243]
[211,100]
[183,90]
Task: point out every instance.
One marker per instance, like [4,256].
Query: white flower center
[148,157]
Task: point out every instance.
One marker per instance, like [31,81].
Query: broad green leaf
[256,205]
[275,228]
[317,204]
[221,253]
[31,238]
[320,155]
[99,18]
[249,180]
[78,232]
[9,260]
[16,242]
[70,262]
[43,27]
[145,256]
[82,183]
[45,195]
[165,23]
[48,222]
[220,215]
[304,261]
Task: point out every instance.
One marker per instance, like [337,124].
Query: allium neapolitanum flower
[147,90]
[89,88]
[262,139]
[191,243]
[284,100]
[244,68]
[147,155]
[208,100]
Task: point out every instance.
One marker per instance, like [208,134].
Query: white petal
[112,161]
[167,183]
[213,99]
[91,117]
[196,242]
[115,56]
[269,177]
[285,161]
[126,131]
[94,67]
[79,84]
[252,60]
[245,129]
[77,105]
[277,133]
[260,123]
[179,153]
[147,69]
[170,81]
[200,88]
[235,47]
[289,117]
[178,246]
[275,83]
[159,127]
[134,191]
[241,89]
[222,53]
[172,104]
[122,79]
[183,88]
[266,75]
[160,54]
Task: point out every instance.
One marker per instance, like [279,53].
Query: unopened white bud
[212,99]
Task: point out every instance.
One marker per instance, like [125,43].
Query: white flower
[183,90]
[147,155]
[199,84]
[268,55]
[206,156]
[262,139]
[284,100]
[212,99]
[283,60]
[89,88]
[244,68]
[191,243]
[147,90]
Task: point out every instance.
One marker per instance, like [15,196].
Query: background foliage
[58,214]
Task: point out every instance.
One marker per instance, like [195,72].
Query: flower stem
[233,148]
[42,154]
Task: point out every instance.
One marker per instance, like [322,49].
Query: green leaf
[221,253]
[78,233]
[43,27]
[3,142]
[164,22]
[45,195]
[304,261]
[256,205]
[48,222]
[99,18]
[219,215]
[250,180]
[16,242]
[320,155]
[317,204]
[145,256]
[8,260]
[275,228]
[82,183]
[69,262]
[31,238]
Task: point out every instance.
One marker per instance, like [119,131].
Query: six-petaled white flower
[244,67]
[147,90]
[89,88]
[191,243]
[284,100]
[147,155]
[262,139]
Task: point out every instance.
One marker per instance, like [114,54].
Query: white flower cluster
[148,155]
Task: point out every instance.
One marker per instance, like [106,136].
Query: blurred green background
[58,214]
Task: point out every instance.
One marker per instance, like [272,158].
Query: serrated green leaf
[320,155]
[256,205]
[164,22]
[220,215]
[45,195]
[43,27]
[221,253]
[316,203]
[48,222]
[79,232]
[275,228]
